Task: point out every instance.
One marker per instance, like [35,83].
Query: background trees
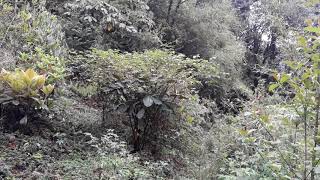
[268,30]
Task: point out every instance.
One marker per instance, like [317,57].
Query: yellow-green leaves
[284,78]
[47,90]
[312,29]
[190,119]
[315,57]
[30,74]
[25,83]
[243,132]
[294,65]
[281,79]
[265,118]
[272,87]
[302,41]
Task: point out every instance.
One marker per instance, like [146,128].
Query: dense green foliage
[284,138]
[145,85]
[149,89]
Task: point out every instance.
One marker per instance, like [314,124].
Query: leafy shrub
[54,66]
[22,95]
[124,25]
[156,88]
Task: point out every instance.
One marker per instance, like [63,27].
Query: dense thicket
[150,89]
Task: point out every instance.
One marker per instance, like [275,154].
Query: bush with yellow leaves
[22,95]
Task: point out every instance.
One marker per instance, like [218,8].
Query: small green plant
[54,66]
[85,90]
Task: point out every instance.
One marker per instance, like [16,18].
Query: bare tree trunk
[305,142]
[176,12]
[316,131]
[169,11]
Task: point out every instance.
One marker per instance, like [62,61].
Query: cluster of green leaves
[36,35]
[152,73]
[149,86]
[53,66]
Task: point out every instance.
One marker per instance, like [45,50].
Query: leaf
[37,156]
[30,73]
[104,11]
[315,57]
[148,101]
[24,120]
[38,82]
[284,78]
[156,101]
[272,87]
[250,140]
[275,167]
[141,113]
[312,29]
[89,7]
[47,90]
[302,41]
[306,75]
[190,119]
[15,102]
[291,64]
[121,25]
[243,132]
[265,118]
[251,131]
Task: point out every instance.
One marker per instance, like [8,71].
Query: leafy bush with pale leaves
[24,90]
